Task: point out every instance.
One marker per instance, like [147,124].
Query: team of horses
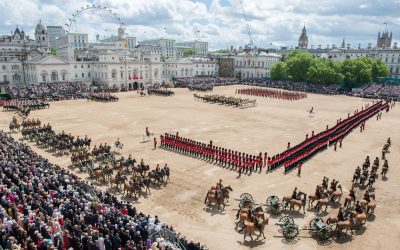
[102,97]
[226,100]
[59,143]
[252,219]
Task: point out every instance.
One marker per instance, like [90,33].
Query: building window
[76,75]
[88,66]
[4,67]
[81,66]
[83,75]
[88,74]
[4,78]
[75,66]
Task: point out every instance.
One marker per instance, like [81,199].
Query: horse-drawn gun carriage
[227,100]
[273,205]
[159,91]
[317,228]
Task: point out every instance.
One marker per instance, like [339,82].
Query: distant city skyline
[220,22]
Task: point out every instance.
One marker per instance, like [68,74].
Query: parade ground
[267,127]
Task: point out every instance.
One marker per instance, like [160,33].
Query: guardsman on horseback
[352,194]
[333,185]
[294,194]
[341,216]
[358,208]
[325,182]
[318,193]
[219,185]
[366,196]
[147,131]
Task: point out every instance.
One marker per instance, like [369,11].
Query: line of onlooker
[43,206]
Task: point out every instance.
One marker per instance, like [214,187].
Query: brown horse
[370,206]
[345,225]
[212,198]
[294,202]
[321,203]
[249,214]
[225,192]
[118,180]
[100,176]
[258,225]
[336,196]
[348,200]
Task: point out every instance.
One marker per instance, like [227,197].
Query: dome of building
[40,29]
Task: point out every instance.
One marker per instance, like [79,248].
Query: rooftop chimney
[395,45]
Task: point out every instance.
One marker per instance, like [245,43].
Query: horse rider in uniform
[318,193]
[358,208]
[341,215]
[219,185]
[366,196]
[147,131]
[295,194]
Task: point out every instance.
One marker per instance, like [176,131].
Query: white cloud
[277,21]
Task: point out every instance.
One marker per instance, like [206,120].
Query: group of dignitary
[239,161]
[276,94]
[45,207]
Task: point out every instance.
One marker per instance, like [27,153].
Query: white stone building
[16,48]
[169,48]
[254,66]
[68,44]
[46,68]
[189,67]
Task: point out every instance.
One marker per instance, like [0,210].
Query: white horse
[147,137]
[118,146]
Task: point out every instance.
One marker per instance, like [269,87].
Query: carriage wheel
[325,233]
[285,221]
[312,224]
[277,209]
[290,232]
[272,197]
[244,203]
[246,196]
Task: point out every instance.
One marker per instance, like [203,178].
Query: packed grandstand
[76,89]
[46,207]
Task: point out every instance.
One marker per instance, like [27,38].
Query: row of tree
[302,66]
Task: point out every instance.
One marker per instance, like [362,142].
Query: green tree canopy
[222,51]
[53,51]
[298,62]
[279,71]
[378,69]
[323,71]
[189,52]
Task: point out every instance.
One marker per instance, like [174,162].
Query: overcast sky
[220,22]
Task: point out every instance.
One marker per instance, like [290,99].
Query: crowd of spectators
[45,207]
[383,91]
[49,90]
[185,82]
[294,86]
